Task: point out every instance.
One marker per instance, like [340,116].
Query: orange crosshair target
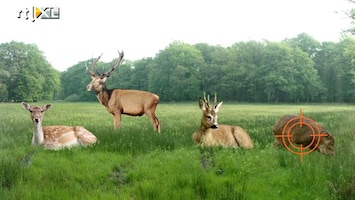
[301,121]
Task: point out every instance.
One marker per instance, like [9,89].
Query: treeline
[25,74]
[299,69]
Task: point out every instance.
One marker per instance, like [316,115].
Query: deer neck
[203,126]
[38,136]
[104,96]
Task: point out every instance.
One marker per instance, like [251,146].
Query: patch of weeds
[119,176]
[200,187]
[207,157]
[26,159]
[10,172]
[343,190]
[231,192]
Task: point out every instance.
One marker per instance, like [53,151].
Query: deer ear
[218,106]
[46,107]
[26,105]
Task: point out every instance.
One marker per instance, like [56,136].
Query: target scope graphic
[295,135]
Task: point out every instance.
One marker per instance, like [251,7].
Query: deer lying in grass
[56,137]
[119,101]
[212,134]
[304,134]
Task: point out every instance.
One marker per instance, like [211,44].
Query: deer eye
[208,117]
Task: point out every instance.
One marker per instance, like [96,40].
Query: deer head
[37,112]
[98,80]
[209,117]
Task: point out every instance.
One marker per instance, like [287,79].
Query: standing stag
[212,134]
[120,101]
[56,137]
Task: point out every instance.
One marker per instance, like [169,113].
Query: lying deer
[120,101]
[56,137]
[290,124]
[212,134]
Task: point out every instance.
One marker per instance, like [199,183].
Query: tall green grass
[134,162]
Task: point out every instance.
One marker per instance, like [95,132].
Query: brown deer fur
[120,101]
[303,135]
[212,134]
[57,137]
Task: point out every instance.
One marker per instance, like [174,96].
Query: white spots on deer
[57,137]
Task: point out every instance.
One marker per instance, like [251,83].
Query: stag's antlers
[207,101]
[92,73]
[105,74]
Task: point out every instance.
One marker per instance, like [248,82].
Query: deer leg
[117,119]
[157,124]
[155,121]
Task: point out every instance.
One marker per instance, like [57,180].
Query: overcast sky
[142,28]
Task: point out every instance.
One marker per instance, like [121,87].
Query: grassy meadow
[134,162]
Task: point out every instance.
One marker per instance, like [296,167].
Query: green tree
[335,67]
[27,74]
[74,81]
[4,76]
[347,67]
[140,74]
[288,74]
[122,76]
[306,43]
[276,67]
[172,71]
[311,87]
[241,80]
[308,86]
[351,14]
[211,72]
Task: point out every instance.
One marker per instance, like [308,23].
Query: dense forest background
[299,69]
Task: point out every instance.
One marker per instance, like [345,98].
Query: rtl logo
[40,13]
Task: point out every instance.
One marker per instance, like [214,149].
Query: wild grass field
[135,162]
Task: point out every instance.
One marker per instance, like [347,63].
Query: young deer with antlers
[212,134]
[57,137]
[120,101]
